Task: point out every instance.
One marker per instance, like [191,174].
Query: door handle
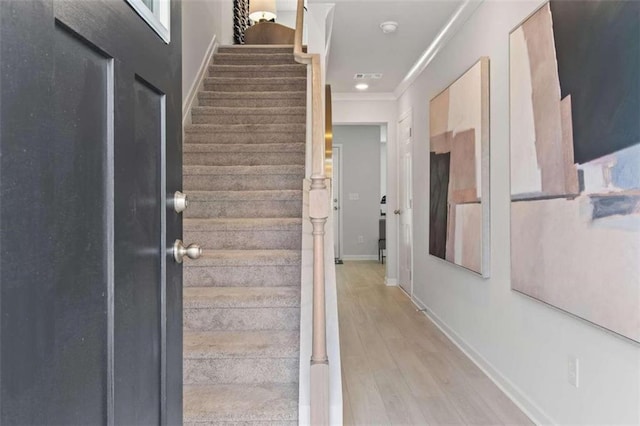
[180,202]
[397,211]
[192,251]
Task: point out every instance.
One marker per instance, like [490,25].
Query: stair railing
[318,213]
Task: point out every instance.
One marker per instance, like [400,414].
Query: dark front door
[90,149]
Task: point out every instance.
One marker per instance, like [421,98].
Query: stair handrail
[318,213]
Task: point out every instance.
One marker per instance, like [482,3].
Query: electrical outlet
[573,371]
[360,239]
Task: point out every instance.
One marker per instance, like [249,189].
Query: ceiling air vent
[367,76]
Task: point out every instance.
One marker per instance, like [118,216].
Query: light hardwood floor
[399,369]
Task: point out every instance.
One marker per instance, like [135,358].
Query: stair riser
[246,240]
[255,87]
[239,370]
[242,276]
[243,158]
[198,118]
[241,423]
[245,138]
[245,50]
[252,103]
[242,319]
[242,182]
[245,209]
[238,59]
[259,72]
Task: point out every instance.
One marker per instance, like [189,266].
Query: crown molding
[374,96]
[453,25]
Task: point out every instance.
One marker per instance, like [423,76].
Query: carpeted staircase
[244,160]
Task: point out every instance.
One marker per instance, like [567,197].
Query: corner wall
[524,344]
[202,20]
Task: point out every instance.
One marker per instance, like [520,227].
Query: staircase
[244,159]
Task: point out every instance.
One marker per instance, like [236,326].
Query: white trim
[390,282]
[160,23]
[377,96]
[196,85]
[359,257]
[339,146]
[447,32]
[408,114]
[513,392]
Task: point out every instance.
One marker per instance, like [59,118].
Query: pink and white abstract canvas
[575,160]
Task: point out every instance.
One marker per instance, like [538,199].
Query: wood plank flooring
[399,369]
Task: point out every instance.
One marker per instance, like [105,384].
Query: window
[156,13]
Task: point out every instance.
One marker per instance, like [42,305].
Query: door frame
[338,166]
[399,158]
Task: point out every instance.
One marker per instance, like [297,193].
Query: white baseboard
[196,85]
[353,257]
[513,392]
[391,282]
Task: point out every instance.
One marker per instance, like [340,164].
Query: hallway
[398,368]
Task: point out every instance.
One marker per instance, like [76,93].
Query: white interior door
[337,201]
[405,207]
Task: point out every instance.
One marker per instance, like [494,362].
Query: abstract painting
[575,160]
[459,180]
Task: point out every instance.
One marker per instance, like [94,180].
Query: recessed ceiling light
[389,27]
[362,86]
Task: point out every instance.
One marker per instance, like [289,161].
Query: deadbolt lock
[180,202]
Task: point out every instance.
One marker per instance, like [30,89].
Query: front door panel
[90,146]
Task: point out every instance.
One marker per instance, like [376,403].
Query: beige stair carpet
[244,160]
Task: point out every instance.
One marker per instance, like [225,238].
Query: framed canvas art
[459,178]
[575,160]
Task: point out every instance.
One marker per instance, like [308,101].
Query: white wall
[363,111]
[523,343]
[201,21]
[361,176]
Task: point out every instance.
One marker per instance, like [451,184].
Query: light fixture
[362,86]
[389,27]
[262,10]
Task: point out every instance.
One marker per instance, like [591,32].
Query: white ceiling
[359,46]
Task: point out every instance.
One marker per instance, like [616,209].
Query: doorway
[359,170]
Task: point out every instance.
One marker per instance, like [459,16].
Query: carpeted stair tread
[242,58]
[248,48]
[239,115]
[244,170]
[245,128]
[208,110]
[244,148]
[267,402]
[241,344]
[255,99]
[284,70]
[269,195]
[242,224]
[246,258]
[240,297]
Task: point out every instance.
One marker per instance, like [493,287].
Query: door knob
[193,251]
[396,211]
[180,202]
